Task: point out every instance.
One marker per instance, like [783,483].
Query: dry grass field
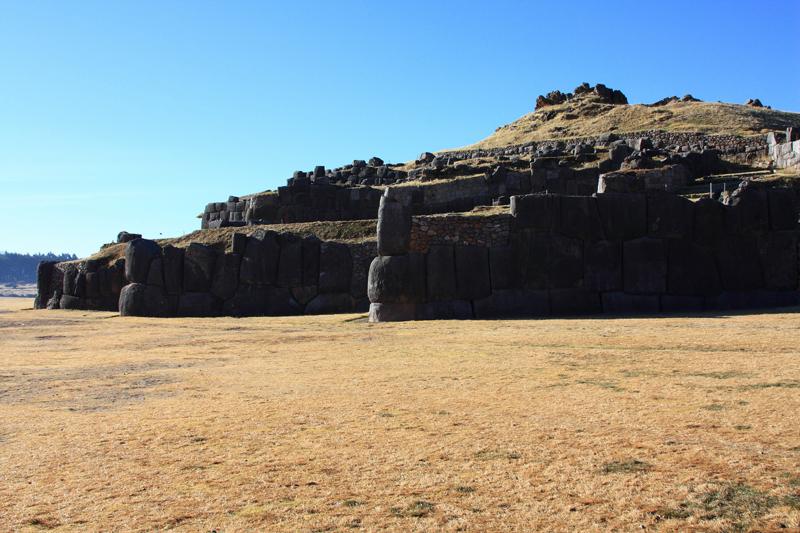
[334,424]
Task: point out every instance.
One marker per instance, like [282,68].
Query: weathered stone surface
[172,258]
[623,303]
[738,261]
[44,273]
[124,236]
[709,221]
[239,243]
[197,304]
[394,227]
[692,270]
[624,216]
[536,211]
[336,267]
[752,299]
[669,216]
[748,212]
[778,252]
[513,303]
[226,276]
[574,302]
[260,261]
[93,285]
[450,310]
[305,294]
[397,279]
[553,261]
[472,272]
[441,273]
[644,266]
[138,299]
[603,266]
[392,312]
[249,300]
[70,302]
[138,255]
[280,302]
[155,276]
[290,264]
[310,261]
[198,267]
[68,282]
[504,267]
[782,209]
[80,284]
[330,303]
[580,218]
[671,303]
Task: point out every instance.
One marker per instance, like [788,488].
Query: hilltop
[589,111]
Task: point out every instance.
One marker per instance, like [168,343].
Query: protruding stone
[394,227]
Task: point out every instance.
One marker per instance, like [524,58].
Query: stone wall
[267,273]
[785,154]
[673,141]
[613,253]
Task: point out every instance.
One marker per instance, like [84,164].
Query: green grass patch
[630,466]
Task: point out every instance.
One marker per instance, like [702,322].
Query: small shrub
[626,467]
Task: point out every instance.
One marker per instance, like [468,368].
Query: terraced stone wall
[613,253]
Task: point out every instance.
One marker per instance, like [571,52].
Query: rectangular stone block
[574,302]
[441,272]
[644,266]
[622,303]
[603,266]
[472,272]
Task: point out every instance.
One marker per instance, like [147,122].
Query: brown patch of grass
[593,118]
[276,424]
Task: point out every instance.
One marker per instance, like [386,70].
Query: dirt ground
[333,424]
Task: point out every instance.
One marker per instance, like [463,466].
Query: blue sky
[133,115]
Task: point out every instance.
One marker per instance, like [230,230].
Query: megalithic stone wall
[267,273]
[611,253]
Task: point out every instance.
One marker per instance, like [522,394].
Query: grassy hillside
[589,115]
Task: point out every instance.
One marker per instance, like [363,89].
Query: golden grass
[585,117]
[331,423]
[339,230]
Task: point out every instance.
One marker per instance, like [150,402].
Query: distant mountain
[21,268]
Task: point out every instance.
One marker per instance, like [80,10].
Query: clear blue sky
[133,115]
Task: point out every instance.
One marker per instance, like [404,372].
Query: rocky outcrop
[600,92]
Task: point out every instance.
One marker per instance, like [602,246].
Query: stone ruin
[600,224]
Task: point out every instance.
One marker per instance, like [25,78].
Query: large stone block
[138,299]
[624,216]
[249,300]
[580,218]
[782,209]
[669,216]
[44,273]
[441,273]
[198,267]
[172,258]
[671,303]
[290,264]
[392,312]
[397,279]
[513,303]
[139,253]
[198,304]
[536,211]
[691,270]
[473,280]
[709,221]
[450,310]
[226,276]
[260,261]
[70,302]
[335,267]
[504,266]
[311,246]
[644,266]
[394,227]
[623,303]
[565,263]
[778,252]
[155,276]
[330,303]
[280,302]
[749,212]
[552,261]
[738,262]
[603,266]
[574,302]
